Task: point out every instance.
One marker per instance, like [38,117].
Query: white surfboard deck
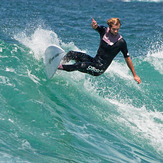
[53,56]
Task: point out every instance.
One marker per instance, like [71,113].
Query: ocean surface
[75,117]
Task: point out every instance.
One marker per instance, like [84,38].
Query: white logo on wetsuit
[91,68]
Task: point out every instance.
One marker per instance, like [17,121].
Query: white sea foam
[38,41]
[5,80]
[41,39]
[119,69]
[147,125]
[156,60]
[33,77]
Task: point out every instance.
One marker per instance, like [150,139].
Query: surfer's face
[114,29]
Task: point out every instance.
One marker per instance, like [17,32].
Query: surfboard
[53,56]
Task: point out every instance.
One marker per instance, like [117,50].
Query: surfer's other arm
[94,24]
[130,65]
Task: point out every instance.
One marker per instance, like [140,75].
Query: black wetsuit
[97,65]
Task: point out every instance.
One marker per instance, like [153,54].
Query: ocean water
[75,117]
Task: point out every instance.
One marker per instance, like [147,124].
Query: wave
[113,100]
[118,72]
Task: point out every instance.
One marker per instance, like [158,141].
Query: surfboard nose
[53,56]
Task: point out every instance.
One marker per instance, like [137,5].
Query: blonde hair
[113,21]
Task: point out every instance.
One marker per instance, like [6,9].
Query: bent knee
[70,52]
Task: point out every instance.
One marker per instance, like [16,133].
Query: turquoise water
[76,117]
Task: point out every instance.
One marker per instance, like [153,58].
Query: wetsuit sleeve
[101,30]
[124,49]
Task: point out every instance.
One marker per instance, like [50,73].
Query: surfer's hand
[94,24]
[137,79]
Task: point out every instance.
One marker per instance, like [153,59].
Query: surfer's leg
[77,57]
[84,63]
[91,68]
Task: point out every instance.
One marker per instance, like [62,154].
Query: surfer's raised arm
[94,24]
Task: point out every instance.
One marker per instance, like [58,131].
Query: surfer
[111,43]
